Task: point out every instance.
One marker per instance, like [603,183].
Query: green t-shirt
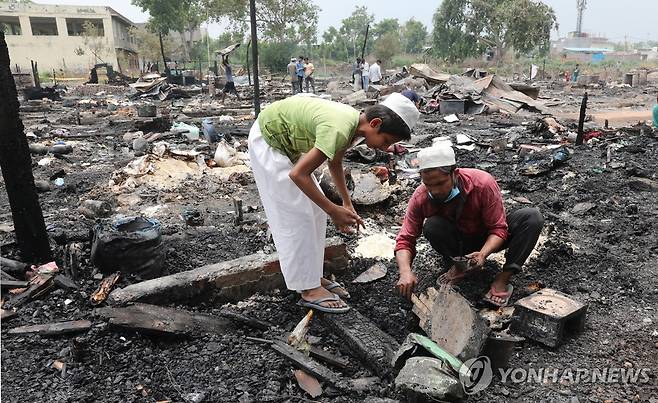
[655,117]
[297,124]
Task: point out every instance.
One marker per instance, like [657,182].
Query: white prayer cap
[403,107]
[440,155]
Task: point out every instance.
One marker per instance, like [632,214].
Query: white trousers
[298,225]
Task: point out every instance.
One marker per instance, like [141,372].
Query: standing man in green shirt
[290,139]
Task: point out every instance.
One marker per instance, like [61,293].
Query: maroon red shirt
[483,212]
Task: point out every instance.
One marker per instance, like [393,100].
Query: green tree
[286,21]
[385,26]
[414,35]
[278,20]
[450,38]
[465,28]
[387,45]
[353,30]
[276,55]
[94,41]
[167,16]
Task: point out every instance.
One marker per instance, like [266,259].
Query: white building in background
[55,38]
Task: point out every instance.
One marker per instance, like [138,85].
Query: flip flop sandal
[316,304]
[456,277]
[502,294]
[336,284]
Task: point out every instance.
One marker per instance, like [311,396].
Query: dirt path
[614,118]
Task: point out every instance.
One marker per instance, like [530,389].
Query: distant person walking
[292,72]
[376,73]
[576,72]
[300,72]
[308,74]
[229,87]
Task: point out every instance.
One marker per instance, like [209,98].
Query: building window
[43,26]
[85,26]
[10,25]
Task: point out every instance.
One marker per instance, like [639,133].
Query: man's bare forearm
[404,258]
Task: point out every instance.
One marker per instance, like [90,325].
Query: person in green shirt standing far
[655,116]
[290,139]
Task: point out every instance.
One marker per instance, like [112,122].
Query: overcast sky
[635,20]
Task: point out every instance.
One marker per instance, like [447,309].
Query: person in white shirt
[376,73]
[365,74]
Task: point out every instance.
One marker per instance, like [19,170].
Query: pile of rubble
[166,287]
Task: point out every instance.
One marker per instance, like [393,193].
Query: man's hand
[475,260]
[343,218]
[350,207]
[406,284]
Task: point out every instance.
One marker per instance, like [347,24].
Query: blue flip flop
[316,304]
[336,284]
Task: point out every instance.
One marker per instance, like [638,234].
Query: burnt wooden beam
[13,283]
[53,329]
[5,276]
[12,266]
[6,314]
[234,279]
[371,344]
[301,361]
[327,357]
[38,286]
[155,319]
[16,165]
[581,121]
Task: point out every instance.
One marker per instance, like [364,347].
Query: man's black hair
[301,57]
[391,122]
[448,170]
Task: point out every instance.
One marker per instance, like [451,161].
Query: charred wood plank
[5,276]
[65,282]
[299,360]
[13,283]
[371,344]
[327,357]
[6,314]
[39,285]
[153,319]
[13,267]
[234,279]
[53,329]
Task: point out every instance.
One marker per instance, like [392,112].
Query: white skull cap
[440,155]
[403,107]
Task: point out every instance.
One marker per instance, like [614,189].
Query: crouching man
[460,211]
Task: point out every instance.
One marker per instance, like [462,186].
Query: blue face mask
[453,193]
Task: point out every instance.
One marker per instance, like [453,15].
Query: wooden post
[581,120]
[254,54]
[16,164]
[167,72]
[365,41]
[35,74]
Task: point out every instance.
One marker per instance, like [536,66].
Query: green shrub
[276,56]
